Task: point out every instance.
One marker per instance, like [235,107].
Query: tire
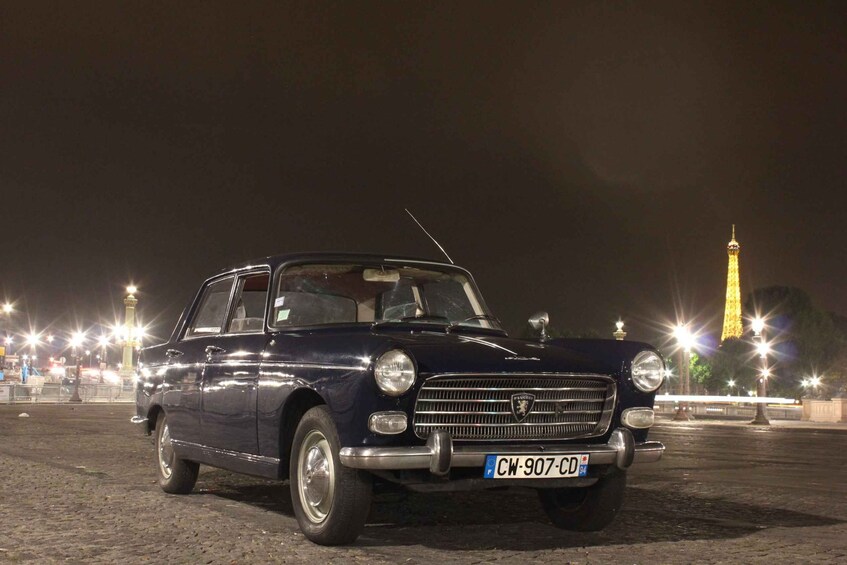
[176,476]
[331,502]
[588,509]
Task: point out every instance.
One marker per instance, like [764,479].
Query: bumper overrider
[440,454]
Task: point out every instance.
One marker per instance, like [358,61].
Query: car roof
[314,257]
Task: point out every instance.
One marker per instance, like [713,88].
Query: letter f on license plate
[535,466]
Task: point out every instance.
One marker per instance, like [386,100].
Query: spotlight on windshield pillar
[619,333]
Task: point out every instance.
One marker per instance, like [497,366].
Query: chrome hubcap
[316,476]
[166,452]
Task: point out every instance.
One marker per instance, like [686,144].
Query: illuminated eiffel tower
[732,315]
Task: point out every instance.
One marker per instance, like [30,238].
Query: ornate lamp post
[103,342]
[131,334]
[7,314]
[76,342]
[685,341]
[619,333]
[32,340]
[763,349]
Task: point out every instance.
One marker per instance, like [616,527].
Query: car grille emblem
[522,403]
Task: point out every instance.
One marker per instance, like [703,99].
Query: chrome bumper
[439,454]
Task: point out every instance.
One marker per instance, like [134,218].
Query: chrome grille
[479,407]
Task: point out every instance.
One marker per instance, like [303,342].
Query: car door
[183,383]
[231,374]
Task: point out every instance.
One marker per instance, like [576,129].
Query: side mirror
[539,322]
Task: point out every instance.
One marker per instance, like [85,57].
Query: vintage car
[335,371]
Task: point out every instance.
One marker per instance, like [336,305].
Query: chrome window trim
[289,365]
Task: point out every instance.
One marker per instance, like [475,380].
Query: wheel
[586,509]
[331,501]
[176,476]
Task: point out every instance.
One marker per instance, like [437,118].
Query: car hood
[463,353]
[435,351]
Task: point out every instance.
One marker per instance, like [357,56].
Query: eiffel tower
[732,315]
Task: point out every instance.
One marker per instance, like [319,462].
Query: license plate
[535,466]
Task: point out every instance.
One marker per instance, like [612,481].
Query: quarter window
[251,294]
[211,313]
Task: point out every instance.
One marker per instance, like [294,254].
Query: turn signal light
[387,423]
[637,418]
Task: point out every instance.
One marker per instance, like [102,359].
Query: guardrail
[732,411]
[58,393]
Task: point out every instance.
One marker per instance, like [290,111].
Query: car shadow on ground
[513,519]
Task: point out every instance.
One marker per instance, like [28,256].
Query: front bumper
[439,454]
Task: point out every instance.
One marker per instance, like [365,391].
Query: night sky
[584,158]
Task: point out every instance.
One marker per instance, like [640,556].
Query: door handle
[173,353]
[214,350]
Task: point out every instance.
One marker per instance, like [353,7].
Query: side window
[250,297]
[210,315]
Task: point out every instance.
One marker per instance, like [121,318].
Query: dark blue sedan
[334,371]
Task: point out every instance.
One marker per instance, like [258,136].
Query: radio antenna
[430,237]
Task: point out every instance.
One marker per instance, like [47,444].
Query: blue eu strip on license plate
[535,466]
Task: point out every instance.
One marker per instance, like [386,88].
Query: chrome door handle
[214,350]
[173,353]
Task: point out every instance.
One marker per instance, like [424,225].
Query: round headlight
[648,370]
[394,372]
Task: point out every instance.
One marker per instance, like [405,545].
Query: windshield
[310,295]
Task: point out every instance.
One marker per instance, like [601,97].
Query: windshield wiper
[419,318]
[425,318]
[488,317]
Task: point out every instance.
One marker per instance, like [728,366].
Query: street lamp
[76,341]
[763,349]
[731,384]
[103,342]
[685,342]
[32,340]
[7,311]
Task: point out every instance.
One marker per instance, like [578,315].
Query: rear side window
[210,315]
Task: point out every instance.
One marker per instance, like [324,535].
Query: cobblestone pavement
[77,484]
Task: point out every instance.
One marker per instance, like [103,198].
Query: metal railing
[58,393]
[732,411]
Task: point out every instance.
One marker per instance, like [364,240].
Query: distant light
[763,348]
[77,339]
[9,340]
[815,381]
[731,383]
[8,308]
[103,341]
[684,337]
[758,324]
[766,372]
[50,338]
[132,289]
[32,340]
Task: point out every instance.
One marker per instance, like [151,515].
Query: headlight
[394,372]
[648,370]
